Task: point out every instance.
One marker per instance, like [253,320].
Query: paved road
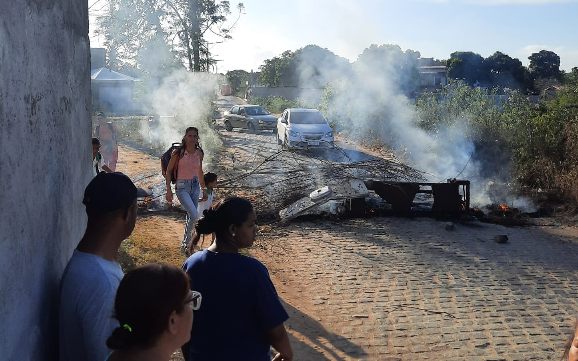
[407,289]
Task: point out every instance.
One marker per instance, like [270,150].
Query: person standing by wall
[108,134]
[243,315]
[91,278]
[188,159]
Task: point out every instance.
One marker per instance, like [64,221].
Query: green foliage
[388,62]
[308,67]
[467,66]
[277,105]
[237,79]
[545,64]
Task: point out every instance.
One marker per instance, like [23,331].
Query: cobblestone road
[407,289]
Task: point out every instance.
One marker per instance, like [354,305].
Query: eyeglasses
[194,300]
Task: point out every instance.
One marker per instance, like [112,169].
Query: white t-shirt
[87,291]
[205,204]
[95,162]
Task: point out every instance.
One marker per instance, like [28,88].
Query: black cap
[95,141]
[108,192]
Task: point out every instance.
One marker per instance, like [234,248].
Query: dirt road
[393,288]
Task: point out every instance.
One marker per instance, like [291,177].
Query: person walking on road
[188,159]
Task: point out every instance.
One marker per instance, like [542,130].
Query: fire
[503,207]
[372,211]
[253,198]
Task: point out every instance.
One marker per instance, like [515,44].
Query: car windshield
[307,118]
[256,111]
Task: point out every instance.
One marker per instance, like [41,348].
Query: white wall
[44,164]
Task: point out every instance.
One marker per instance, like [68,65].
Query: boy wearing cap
[91,278]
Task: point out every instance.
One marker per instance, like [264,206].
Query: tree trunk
[195,34]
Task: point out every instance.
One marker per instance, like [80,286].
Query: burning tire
[228,126]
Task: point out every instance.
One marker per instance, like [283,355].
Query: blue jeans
[188,191]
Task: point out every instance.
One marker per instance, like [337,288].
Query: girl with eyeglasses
[154,307]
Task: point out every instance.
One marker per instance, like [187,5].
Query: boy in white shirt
[211,184]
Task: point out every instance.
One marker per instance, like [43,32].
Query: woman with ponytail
[188,159]
[154,307]
[243,315]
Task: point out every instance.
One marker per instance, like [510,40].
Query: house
[112,92]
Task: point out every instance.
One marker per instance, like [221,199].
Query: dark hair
[210,177]
[221,215]
[183,145]
[144,301]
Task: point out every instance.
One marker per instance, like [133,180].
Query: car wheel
[251,128]
[228,125]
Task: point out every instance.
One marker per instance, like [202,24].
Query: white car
[303,128]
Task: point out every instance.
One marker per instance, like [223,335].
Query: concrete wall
[44,164]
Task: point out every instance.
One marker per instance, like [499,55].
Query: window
[307,118]
[235,110]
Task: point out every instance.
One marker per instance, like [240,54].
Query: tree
[390,66]
[237,79]
[308,67]
[467,66]
[502,70]
[545,64]
[180,24]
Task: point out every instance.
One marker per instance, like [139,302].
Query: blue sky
[435,28]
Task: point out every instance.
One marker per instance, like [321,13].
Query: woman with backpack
[188,161]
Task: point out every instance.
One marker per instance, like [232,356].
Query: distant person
[243,315]
[88,285]
[98,163]
[190,186]
[108,134]
[154,308]
[211,183]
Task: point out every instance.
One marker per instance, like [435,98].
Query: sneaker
[184,250]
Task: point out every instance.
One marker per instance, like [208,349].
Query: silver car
[251,117]
[302,128]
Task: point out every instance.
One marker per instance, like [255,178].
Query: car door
[233,116]
[242,118]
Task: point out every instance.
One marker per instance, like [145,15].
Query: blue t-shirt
[239,305]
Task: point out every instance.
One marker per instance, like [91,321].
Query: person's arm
[103,165]
[169,177]
[278,338]
[201,176]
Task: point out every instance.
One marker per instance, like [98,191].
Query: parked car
[251,117]
[298,128]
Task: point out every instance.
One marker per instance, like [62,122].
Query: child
[98,162]
[210,183]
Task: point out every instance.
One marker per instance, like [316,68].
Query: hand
[169,196]
[280,357]
[205,197]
